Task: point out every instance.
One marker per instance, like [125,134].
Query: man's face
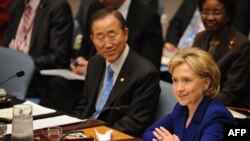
[109,38]
[113,4]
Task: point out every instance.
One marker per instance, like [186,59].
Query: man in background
[42,29]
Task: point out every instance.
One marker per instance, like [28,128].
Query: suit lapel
[98,75]
[120,81]
[223,47]
[37,21]
[16,21]
[193,127]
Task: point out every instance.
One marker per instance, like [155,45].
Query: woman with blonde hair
[198,115]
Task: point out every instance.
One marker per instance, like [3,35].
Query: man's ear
[126,31]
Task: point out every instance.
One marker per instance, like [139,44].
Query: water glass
[54,133]
[22,123]
[3,129]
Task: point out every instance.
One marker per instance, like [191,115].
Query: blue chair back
[11,62]
[167,100]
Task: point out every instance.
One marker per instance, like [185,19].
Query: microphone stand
[91,117]
[18,74]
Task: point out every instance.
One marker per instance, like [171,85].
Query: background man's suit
[50,44]
[145,32]
[180,21]
[140,91]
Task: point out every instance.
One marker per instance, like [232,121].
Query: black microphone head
[20,74]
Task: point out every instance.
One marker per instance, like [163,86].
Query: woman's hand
[162,134]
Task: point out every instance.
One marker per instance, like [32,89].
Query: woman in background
[198,115]
[229,48]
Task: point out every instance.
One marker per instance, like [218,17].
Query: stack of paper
[67,74]
[37,110]
[50,122]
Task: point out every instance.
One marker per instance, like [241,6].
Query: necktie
[108,84]
[26,21]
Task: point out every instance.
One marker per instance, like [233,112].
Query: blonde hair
[202,64]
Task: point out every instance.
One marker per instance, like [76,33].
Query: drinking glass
[22,123]
[54,133]
[3,128]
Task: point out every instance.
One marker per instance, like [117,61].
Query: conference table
[88,128]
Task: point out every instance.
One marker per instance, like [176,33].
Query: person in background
[198,115]
[183,27]
[229,48]
[155,4]
[183,18]
[118,76]
[145,38]
[186,23]
[42,29]
[4,17]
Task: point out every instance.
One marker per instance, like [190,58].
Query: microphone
[18,74]
[122,109]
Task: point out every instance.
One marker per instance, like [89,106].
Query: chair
[11,62]
[167,100]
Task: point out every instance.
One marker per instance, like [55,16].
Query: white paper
[104,137]
[165,60]
[6,113]
[237,114]
[50,122]
[67,74]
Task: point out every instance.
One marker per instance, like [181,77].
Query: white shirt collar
[34,4]
[117,64]
[123,9]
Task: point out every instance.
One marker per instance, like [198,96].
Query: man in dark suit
[135,79]
[48,36]
[145,38]
[145,35]
[241,20]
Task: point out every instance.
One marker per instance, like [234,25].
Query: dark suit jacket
[145,32]
[206,124]
[50,45]
[180,21]
[140,91]
[241,19]
[233,60]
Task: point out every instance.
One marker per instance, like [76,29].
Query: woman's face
[188,87]
[214,16]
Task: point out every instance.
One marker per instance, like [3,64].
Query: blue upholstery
[167,100]
[12,61]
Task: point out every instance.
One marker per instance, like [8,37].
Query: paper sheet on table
[237,114]
[67,74]
[6,113]
[50,122]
